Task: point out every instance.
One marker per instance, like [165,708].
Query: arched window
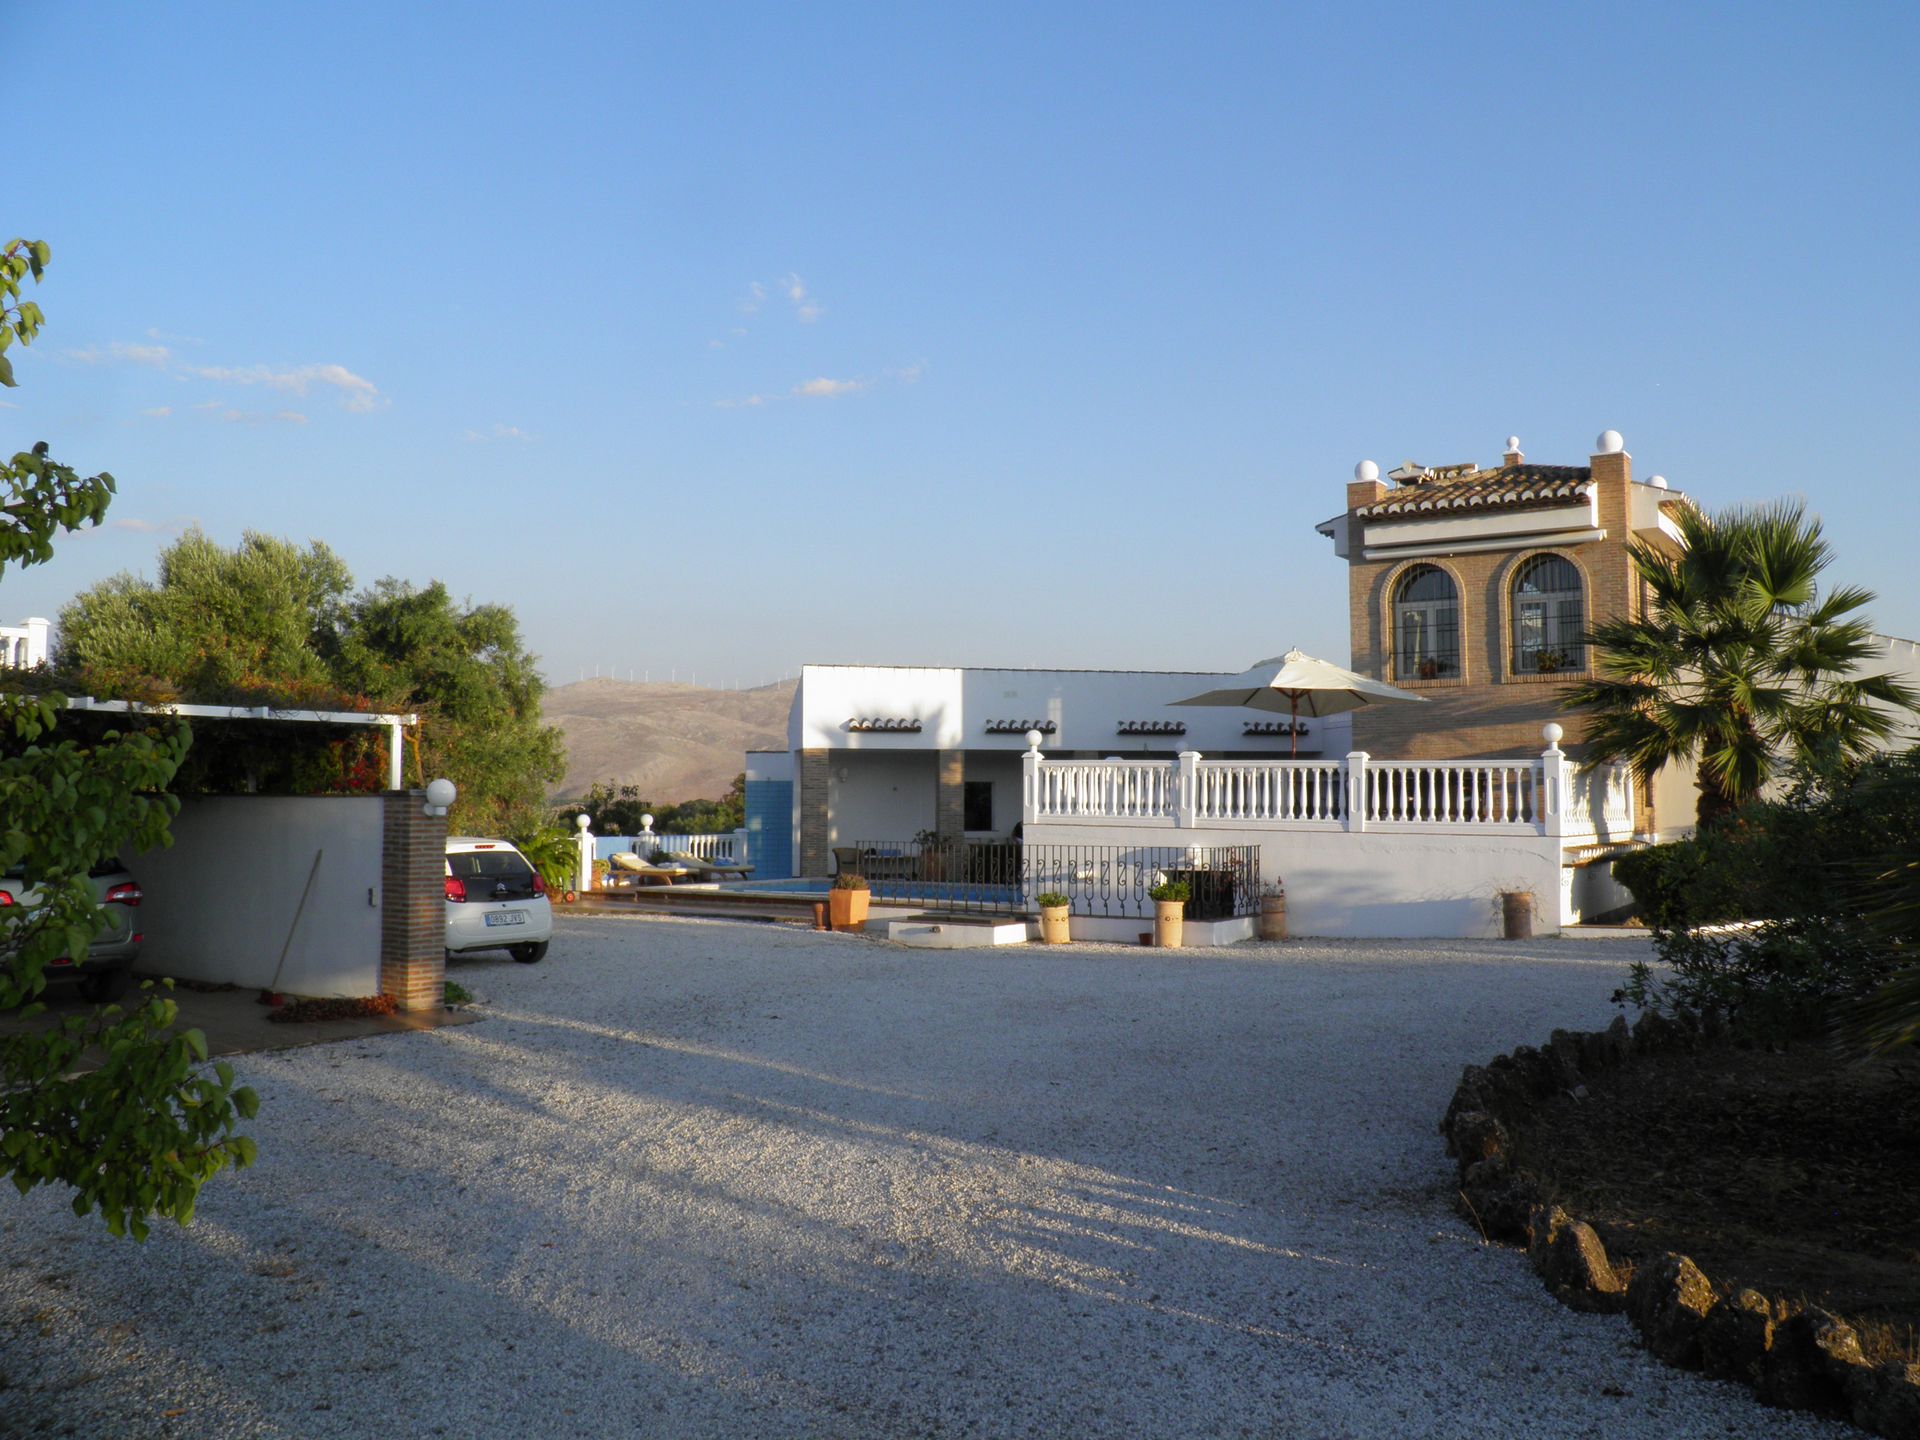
[1549,617]
[1426,625]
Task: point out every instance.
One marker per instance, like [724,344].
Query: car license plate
[507,917]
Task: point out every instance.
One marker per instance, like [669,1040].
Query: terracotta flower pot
[1053,925]
[847,909]
[1169,923]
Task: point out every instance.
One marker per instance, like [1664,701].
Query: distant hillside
[676,742]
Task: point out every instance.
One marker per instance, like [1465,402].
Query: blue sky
[724,340]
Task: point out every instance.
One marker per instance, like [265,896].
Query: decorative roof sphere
[1034,737]
[1658,482]
[440,793]
[583,821]
[1610,442]
[1551,732]
[1366,470]
[1513,442]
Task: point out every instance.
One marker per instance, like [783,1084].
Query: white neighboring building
[24,646]
[882,753]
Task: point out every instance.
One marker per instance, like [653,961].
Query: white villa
[1471,586]
[24,646]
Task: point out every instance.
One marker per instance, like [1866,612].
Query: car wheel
[530,954]
[104,986]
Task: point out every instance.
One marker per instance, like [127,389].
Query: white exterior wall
[1003,772]
[1374,884]
[954,707]
[25,645]
[882,797]
[220,903]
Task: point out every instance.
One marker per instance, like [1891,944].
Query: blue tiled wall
[770,828]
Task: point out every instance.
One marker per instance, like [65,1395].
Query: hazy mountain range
[676,742]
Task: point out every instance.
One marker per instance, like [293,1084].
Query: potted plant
[1053,918]
[847,901]
[1169,913]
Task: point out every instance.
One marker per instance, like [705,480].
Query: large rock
[1579,1273]
[1472,1093]
[1536,1072]
[1736,1335]
[1885,1399]
[1619,1041]
[1544,1224]
[1498,1200]
[1667,1300]
[1812,1363]
[1563,1054]
[1477,1136]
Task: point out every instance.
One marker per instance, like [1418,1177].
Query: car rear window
[490,865]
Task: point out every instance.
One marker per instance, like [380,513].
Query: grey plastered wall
[220,903]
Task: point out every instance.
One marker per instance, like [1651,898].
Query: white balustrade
[1234,791]
[1138,790]
[720,845]
[1452,792]
[1540,794]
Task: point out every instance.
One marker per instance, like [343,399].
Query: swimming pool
[914,892]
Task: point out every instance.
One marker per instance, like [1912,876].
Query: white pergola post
[394,743]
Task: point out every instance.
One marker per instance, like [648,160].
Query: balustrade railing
[1452,792]
[1229,791]
[1541,793]
[1137,790]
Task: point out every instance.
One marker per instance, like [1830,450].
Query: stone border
[1794,1357]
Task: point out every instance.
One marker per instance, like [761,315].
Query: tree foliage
[1740,665]
[272,622]
[618,809]
[140,1133]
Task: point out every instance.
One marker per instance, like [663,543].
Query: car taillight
[539,885]
[5,898]
[456,890]
[126,893]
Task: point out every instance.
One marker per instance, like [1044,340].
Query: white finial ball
[1513,442]
[1658,482]
[441,793]
[1552,732]
[1366,470]
[1034,737]
[583,821]
[1610,442]
[646,822]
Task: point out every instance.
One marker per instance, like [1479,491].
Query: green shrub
[1171,890]
[848,880]
[1051,900]
[1806,877]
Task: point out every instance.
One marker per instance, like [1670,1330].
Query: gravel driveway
[704,1178]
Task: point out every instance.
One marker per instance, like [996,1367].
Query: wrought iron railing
[1007,877]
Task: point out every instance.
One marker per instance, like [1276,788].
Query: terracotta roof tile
[1508,487]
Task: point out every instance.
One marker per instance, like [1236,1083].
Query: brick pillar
[950,803]
[413,917]
[814,858]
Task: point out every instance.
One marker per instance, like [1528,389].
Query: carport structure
[334,895]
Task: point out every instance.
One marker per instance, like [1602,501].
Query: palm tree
[1739,664]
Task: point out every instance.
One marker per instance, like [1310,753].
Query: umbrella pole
[1293,726]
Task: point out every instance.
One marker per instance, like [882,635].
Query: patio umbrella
[1301,685]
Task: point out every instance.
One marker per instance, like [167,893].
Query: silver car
[107,968]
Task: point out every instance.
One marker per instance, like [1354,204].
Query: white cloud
[8,405]
[120,351]
[156,334]
[158,412]
[499,432]
[360,394]
[716,344]
[747,402]
[290,417]
[751,302]
[133,525]
[805,307]
[821,388]
[910,375]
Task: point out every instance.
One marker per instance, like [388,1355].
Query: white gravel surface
[705,1178]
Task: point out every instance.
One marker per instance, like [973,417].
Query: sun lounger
[711,869]
[626,868]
